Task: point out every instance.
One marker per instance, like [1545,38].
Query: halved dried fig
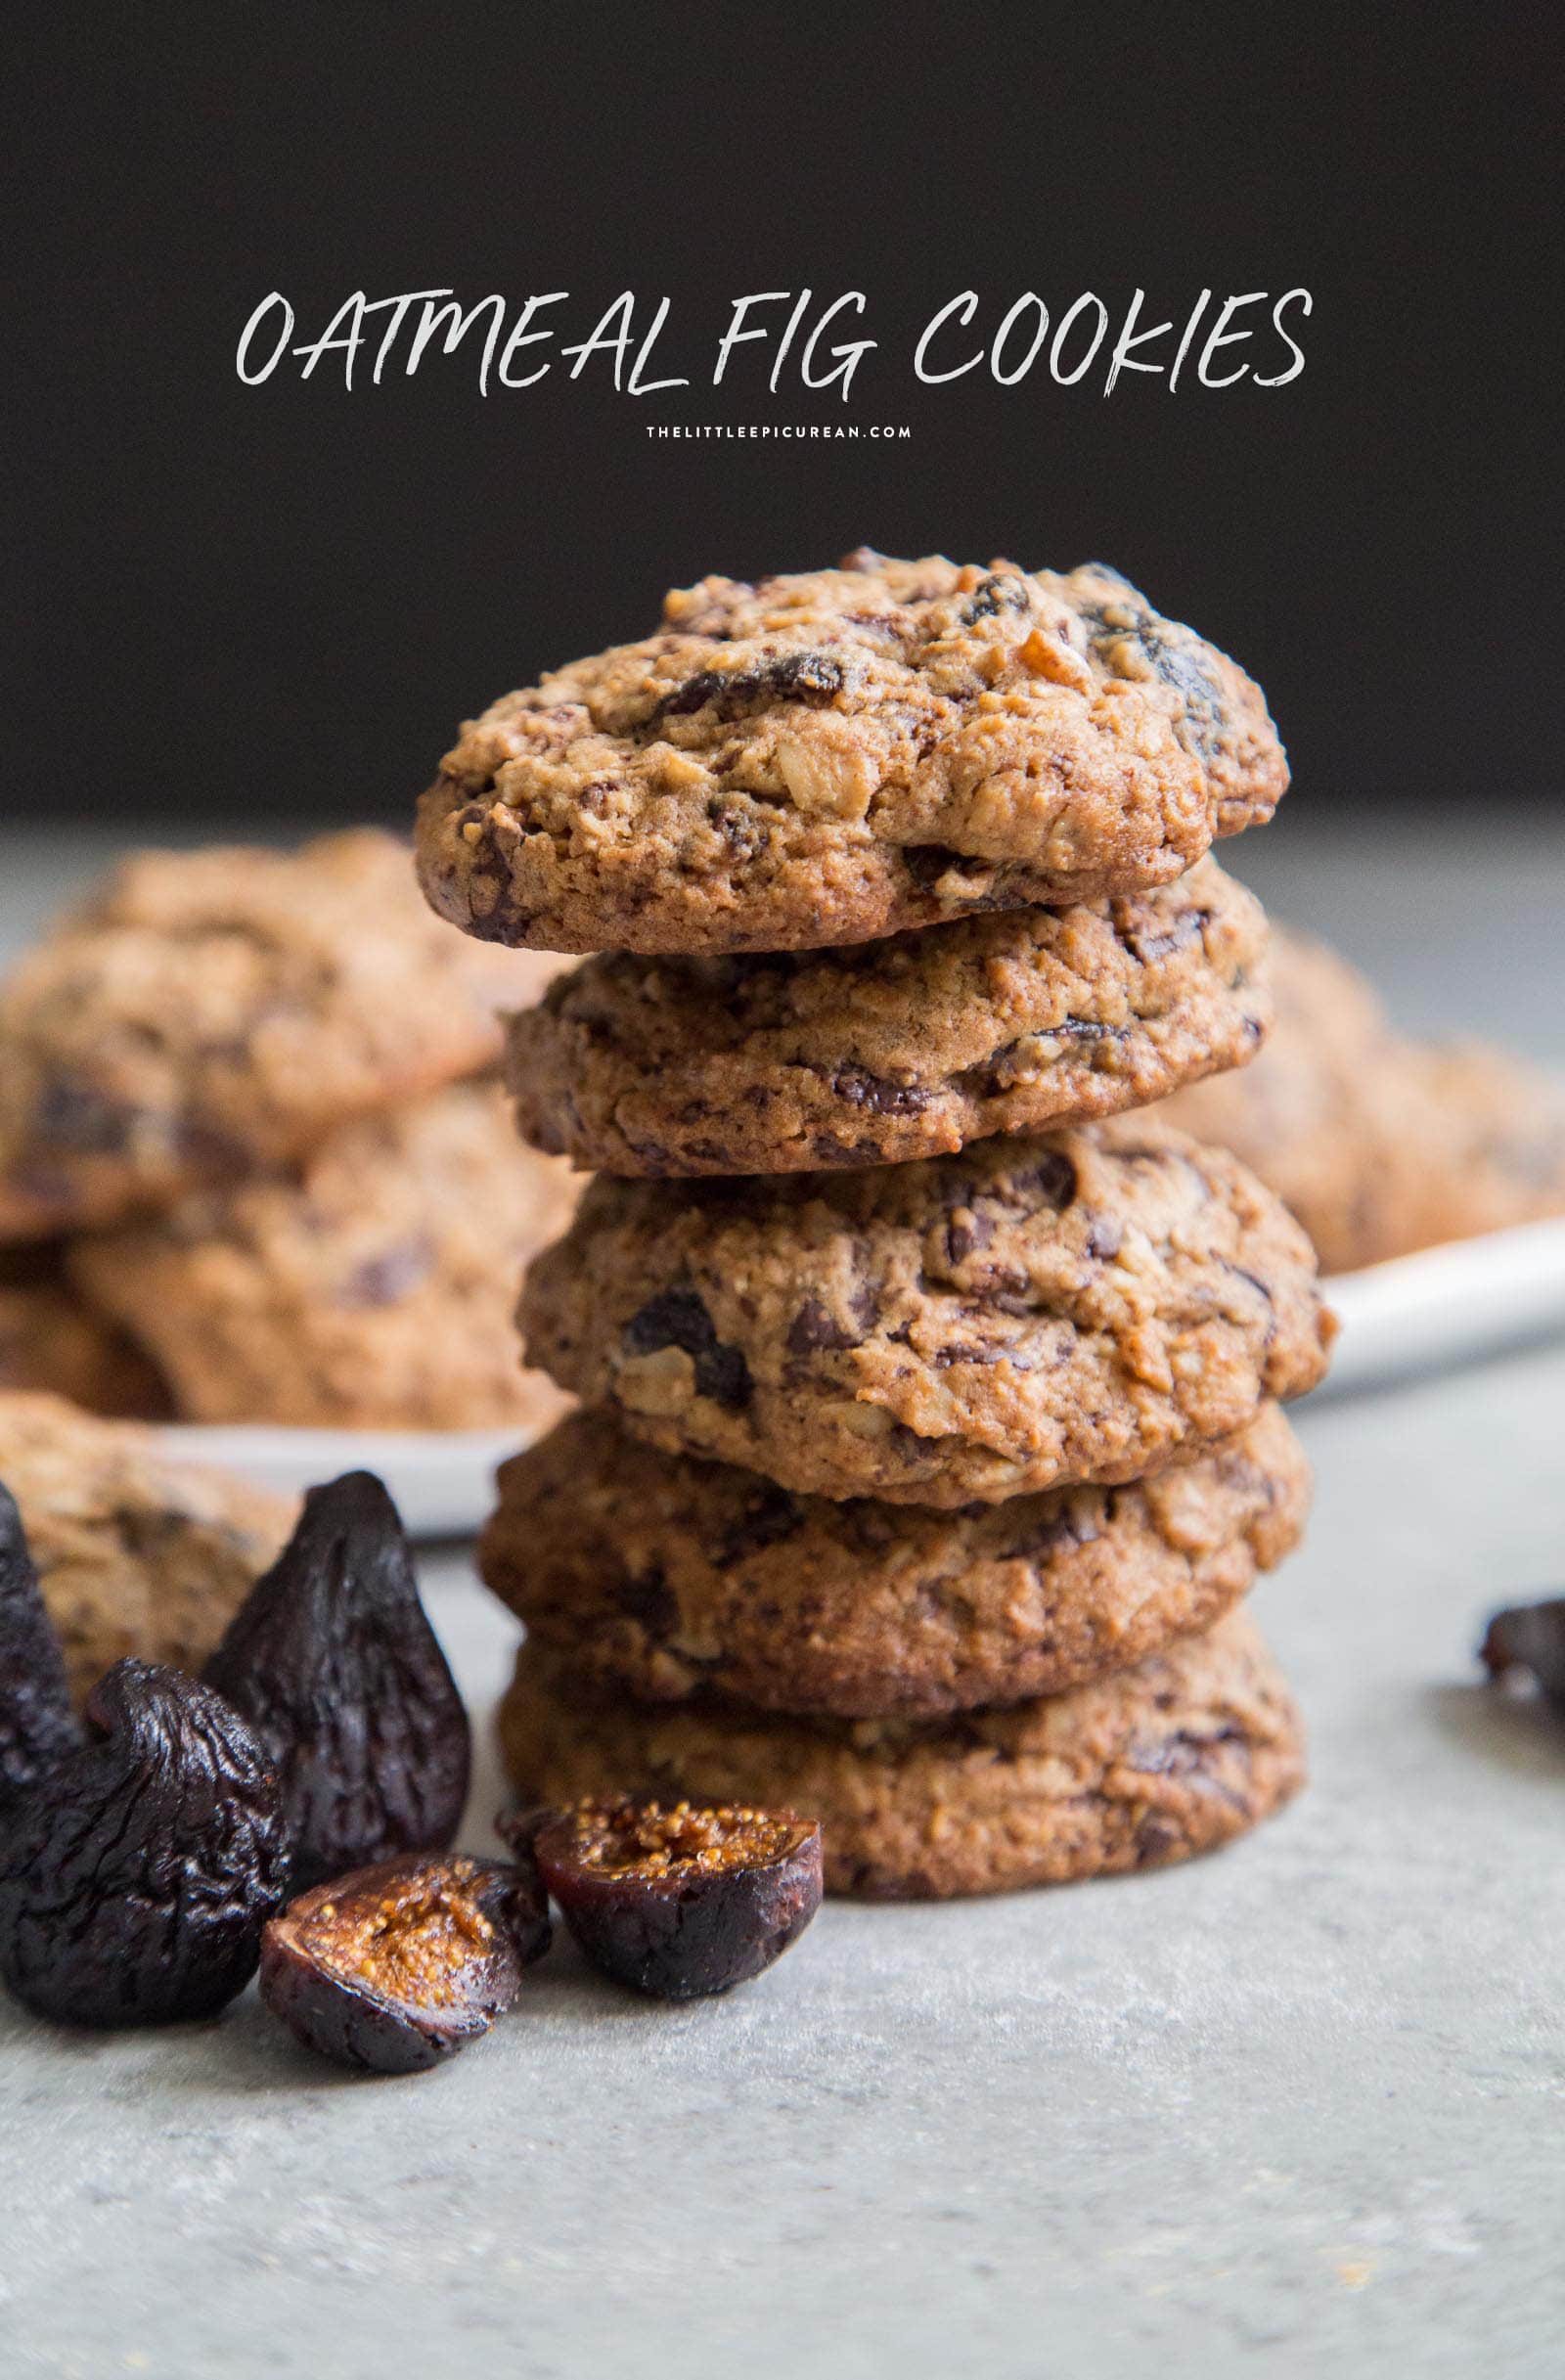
[1529,1636]
[37,1726]
[400,1966]
[137,1870]
[333,1663]
[677,1900]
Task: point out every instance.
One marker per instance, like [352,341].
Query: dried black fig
[136,1871]
[677,1902]
[1529,1636]
[37,1726]
[334,1665]
[401,1964]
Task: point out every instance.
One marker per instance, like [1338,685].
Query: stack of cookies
[931,1431]
[255,1160]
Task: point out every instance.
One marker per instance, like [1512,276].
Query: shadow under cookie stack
[931,1430]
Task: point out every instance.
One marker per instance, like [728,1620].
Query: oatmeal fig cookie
[833,755]
[670,1578]
[1483,1142]
[1033,1312]
[208,1012]
[50,1340]
[137,1552]
[908,1047]
[1381,1145]
[1194,1746]
[367,1286]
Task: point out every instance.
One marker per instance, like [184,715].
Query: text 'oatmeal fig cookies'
[829,756]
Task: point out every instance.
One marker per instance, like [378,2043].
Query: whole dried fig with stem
[680,1901]
[37,1724]
[397,1967]
[138,1869]
[333,1663]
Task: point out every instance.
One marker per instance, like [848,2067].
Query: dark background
[263,602]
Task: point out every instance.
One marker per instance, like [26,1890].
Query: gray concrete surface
[1294,2109]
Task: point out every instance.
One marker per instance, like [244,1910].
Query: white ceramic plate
[1415,1314]
[1447,1305]
[443,1480]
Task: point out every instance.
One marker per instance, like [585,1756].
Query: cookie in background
[1378,1142]
[369,1287]
[51,1340]
[137,1552]
[250,1167]
[204,1014]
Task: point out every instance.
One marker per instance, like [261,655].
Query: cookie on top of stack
[252,1149]
[932,1427]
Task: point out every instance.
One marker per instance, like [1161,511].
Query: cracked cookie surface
[1191,1747]
[137,1552]
[910,1046]
[669,1577]
[369,1285]
[1381,1145]
[1065,1307]
[832,755]
[207,1011]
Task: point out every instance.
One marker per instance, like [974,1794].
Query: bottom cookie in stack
[1152,1764]
[970,1700]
